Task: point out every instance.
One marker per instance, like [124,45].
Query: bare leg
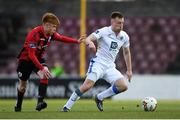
[88,84]
[21,89]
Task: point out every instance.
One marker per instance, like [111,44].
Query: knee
[22,88]
[121,86]
[41,74]
[125,87]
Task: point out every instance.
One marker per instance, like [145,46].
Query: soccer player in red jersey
[31,58]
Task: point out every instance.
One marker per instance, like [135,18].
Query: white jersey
[109,44]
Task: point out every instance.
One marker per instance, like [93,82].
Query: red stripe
[44,81]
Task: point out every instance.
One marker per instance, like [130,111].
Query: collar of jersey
[112,32]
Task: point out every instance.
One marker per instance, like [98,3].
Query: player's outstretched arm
[127,58]
[89,42]
[66,39]
[82,38]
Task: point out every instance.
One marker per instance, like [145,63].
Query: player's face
[50,28]
[117,24]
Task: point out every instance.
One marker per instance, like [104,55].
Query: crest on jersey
[32,45]
[97,31]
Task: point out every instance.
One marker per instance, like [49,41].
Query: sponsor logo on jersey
[113,46]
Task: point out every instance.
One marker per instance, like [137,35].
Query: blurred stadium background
[153,26]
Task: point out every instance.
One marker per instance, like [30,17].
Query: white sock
[107,93]
[74,97]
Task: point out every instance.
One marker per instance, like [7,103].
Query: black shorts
[25,68]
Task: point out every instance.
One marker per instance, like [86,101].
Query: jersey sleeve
[97,34]
[32,40]
[62,38]
[126,39]
[31,54]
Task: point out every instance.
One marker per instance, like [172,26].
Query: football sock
[74,97]
[20,96]
[42,89]
[108,93]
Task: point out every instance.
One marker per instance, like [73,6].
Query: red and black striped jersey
[36,43]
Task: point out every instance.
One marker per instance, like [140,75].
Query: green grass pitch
[86,109]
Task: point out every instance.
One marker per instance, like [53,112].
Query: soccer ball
[149,104]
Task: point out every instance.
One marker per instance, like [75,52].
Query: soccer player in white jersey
[110,40]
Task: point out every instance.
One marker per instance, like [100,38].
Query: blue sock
[78,92]
[74,97]
[115,89]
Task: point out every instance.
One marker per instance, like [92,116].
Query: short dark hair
[51,18]
[116,14]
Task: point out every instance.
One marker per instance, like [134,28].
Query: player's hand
[46,73]
[92,46]
[129,75]
[82,38]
